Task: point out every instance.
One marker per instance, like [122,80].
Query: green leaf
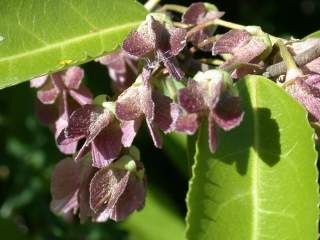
[157,221]
[313,35]
[38,37]
[262,181]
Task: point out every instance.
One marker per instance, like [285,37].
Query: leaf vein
[69,41]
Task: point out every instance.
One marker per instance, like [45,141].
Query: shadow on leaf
[258,131]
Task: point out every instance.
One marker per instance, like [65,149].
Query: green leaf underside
[38,37]
[313,35]
[157,221]
[262,181]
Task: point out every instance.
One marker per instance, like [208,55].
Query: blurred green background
[28,152]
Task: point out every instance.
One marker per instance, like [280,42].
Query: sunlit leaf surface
[37,37]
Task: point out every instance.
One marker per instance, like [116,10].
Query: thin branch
[226,24]
[300,59]
[182,25]
[207,41]
[174,8]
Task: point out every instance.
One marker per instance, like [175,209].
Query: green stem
[174,8]
[226,24]
[293,70]
[151,4]
[182,25]
[286,56]
[217,22]
[214,61]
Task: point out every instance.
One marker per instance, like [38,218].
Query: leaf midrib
[72,40]
[255,163]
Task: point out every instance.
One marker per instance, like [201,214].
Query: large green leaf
[262,181]
[37,37]
[157,221]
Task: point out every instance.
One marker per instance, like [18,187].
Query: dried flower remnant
[157,41]
[111,192]
[59,95]
[139,102]
[187,122]
[299,47]
[102,133]
[302,85]
[209,95]
[119,189]
[68,182]
[198,13]
[306,89]
[247,47]
[122,68]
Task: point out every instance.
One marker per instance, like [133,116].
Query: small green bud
[110,106]
[125,162]
[100,99]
